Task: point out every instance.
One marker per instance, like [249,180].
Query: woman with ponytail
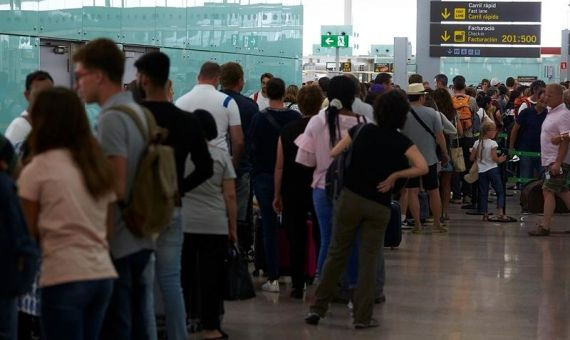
[323,132]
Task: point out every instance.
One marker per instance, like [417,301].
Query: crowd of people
[88,265]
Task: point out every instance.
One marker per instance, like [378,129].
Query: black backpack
[19,253]
[334,179]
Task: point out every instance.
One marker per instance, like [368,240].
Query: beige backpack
[154,192]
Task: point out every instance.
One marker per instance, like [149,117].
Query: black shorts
[429,180]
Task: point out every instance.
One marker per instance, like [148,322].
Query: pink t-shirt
[557,121]
[314,145]
[71,223]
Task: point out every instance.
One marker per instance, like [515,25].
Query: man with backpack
[186,137]
[466,107]
[264,134]
[99,68]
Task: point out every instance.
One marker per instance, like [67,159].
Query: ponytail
[333,123]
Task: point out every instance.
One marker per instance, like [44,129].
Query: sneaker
[194,326]
[540,231]
[370,324]
[312,318]
[271,286]
[416,230]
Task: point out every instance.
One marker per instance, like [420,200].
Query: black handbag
[238,284]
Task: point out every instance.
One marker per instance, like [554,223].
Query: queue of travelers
[93,256]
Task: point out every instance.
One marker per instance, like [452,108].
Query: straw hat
[415,89]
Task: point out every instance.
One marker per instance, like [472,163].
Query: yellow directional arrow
[445,14]
[445,36]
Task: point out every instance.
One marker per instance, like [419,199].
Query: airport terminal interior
[478,276]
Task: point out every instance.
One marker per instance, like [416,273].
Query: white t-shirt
[18,130]
[261,101]
[363,108]
[223,108]
[485,162]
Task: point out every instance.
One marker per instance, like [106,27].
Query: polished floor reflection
[481,281]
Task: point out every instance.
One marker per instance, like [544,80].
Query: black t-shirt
[377,153]
[297,178]
[264,137]
[185,135]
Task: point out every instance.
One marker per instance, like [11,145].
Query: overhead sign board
[485,34]
[485,11]
[471,51]
[485,28]
[334,41]
[526,79]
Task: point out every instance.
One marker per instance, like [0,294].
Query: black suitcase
[393,236]
[532,199]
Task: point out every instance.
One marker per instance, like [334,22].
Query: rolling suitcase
[393,235]
[310,250]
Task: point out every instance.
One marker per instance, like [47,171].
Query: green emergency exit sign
[334,41]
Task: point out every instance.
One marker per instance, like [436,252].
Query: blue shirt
[531,126]
[247,110]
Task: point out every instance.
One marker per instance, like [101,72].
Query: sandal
[540,231]
[439,230]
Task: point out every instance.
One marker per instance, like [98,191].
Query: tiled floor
[480,281]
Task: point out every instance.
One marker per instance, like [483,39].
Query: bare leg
[414,205]
[435,204]
[445,192]
[404,201]
[549,207]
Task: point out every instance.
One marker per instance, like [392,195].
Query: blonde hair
[485,127]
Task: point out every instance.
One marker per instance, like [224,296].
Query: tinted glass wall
[262,37]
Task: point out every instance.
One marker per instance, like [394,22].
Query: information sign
[485,28]
[488,34]
[485,11]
